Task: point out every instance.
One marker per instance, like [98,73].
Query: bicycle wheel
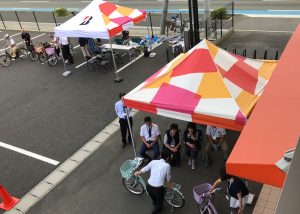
[43,57]
[33,56]
[22,52]
[174,198]
[52,61]
[133,185]
[5,60]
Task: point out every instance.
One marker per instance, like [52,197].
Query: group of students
[192,138]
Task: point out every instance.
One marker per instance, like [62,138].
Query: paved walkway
[96,186]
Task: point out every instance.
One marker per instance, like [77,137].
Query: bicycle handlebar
[213,191]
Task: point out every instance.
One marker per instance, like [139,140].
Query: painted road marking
[34,1]
[30,154]
[10,36]
[265,31]
[22,41]
[78,66]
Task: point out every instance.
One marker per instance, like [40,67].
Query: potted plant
[61,12]
[220,13]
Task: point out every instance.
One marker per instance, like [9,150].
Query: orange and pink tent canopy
[206,85]
[100,19]
[274,125]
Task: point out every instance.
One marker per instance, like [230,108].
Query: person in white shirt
[64,41]
[11,43]
[160,172]
[216,141]
[120,111]
[149,135]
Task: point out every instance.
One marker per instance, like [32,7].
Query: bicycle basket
[199,190]
[50,51]
[127,169]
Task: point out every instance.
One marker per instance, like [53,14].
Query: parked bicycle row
[56,49]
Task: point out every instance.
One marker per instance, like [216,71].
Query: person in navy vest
[172,143]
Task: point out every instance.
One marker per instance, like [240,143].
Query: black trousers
[157,195]
[125,129]
[66,53]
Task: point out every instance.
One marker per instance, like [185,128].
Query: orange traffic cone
[8,202]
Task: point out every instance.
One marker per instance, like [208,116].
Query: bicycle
[205,198]
[176,25]
[137,185]
[6,58]
[52,58]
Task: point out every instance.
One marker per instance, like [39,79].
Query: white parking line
[10,36]
[78,66]
[22,41]
[30,154]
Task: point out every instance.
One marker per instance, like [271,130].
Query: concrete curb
[62,171]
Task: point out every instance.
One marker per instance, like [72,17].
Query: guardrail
[265,54]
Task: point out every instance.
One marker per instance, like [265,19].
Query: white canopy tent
[100,19]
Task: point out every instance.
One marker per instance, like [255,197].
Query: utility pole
[206,4]
[164,17]
[191,32]
[196,22]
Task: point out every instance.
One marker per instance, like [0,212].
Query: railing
[264,54]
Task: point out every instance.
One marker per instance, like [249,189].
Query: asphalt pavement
[96,185]
[51,115]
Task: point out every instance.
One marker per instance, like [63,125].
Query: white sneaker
[193,166]
[13,59]
[190,162]
[66,61]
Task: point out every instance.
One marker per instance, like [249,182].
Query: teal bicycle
[137,185]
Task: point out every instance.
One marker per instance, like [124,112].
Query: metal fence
[272,54]
[46,20]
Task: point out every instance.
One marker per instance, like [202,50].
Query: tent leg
[149,34]
[147,23]
[66,72]
[130,131]
[118,79]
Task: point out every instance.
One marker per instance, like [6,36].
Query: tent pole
[148,32]
[118,79]
[147,26]
[65,73]
[130,130]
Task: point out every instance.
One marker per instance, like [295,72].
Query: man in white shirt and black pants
[64,41]
[149,135]
[160,171]
[121,113]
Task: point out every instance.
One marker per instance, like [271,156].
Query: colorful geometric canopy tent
[100,19]
[206,85]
